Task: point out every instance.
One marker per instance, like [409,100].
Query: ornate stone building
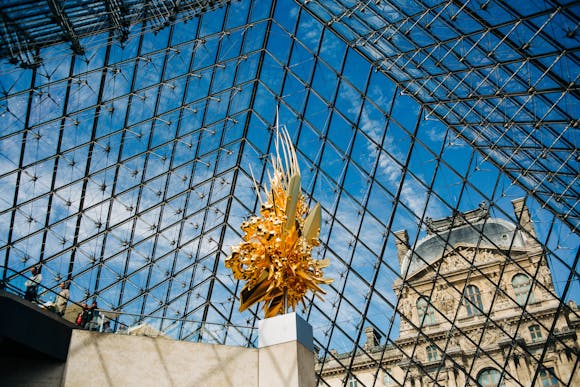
[467,285]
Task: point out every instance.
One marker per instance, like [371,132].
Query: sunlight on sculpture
[275,255]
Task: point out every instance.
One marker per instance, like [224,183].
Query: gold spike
[292,196]
[312,224]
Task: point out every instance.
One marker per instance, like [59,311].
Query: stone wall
[97,359]
[37,348]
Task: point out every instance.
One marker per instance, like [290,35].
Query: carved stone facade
[473,311]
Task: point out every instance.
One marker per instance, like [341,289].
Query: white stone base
[285,328]
[285,352]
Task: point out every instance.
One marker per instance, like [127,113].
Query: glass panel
[490,378]
[522,285]
[473,303]
[440,140]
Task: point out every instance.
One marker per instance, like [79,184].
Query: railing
[14,283]
[177,328]
[120,322]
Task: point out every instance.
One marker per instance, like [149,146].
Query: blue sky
[169,173]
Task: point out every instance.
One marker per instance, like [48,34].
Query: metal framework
[127,154]
[503,76]
[29,25]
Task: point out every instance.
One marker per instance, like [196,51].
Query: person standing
[82,316]
[92,318]
[31,293]
[62,298]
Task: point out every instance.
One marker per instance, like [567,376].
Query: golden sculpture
[275,254]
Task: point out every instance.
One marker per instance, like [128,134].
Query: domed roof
[492,233]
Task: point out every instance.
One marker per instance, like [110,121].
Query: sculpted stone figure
[405,309]
[545,276]
[445,300]
[452,263]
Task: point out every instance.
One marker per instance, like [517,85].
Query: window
[425,311]
[352,382]
[432,353]
[388,378]
[547,378]
[535,332]
[522,285]
[473,300]
[490,377]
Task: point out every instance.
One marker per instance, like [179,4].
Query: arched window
[352,382]
[425,311]
[473,300]
[547,378]
[490,377]
[522,285]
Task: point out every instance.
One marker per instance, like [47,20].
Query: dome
[493,233]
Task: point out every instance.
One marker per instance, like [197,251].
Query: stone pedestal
[285,352]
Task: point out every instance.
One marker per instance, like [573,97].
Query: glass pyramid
[130,133]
